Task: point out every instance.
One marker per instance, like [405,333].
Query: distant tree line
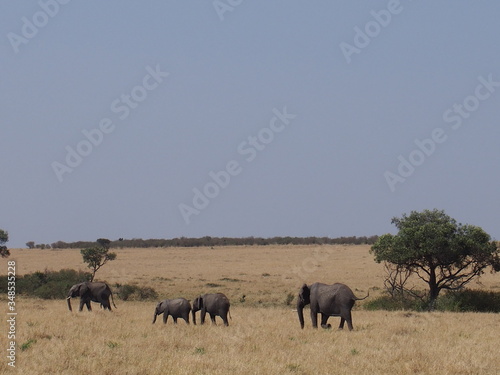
[218,241]
[41,246]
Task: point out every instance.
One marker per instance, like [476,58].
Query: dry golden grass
[264,336]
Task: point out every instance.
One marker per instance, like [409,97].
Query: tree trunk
[433,289]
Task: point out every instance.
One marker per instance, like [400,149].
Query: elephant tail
[229,312]
[360,299]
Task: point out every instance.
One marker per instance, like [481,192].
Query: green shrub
[469,300]
[125,291]
[47,284]
[454,301]
[30,282]
[26,345]
[132,292]
[392,304]
[51,290]
[147,293]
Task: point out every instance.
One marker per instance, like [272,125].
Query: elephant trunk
[154,317]
[69,303]
[300,312]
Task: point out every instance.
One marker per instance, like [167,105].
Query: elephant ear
[304,294]
[82,289]
[200,302]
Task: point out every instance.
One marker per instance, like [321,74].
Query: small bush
[131,292]
[199,350]
[124,292]
[112,344]
[26,345]
[52,290]
[293,367]
[393,304]
[454,301]
[469,300]
[31,282]
[47,284]
[147,293]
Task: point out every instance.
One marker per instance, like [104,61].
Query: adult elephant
[216,304]
[328,300]
[178,308]
[91,291]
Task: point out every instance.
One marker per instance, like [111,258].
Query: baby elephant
[178,308]
[214,304]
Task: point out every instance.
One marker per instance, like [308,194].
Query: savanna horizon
[264,335]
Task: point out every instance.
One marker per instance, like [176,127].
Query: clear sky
[160,119]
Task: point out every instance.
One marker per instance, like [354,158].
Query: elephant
[328,300]
[214,304]
[178,308]
[91,291]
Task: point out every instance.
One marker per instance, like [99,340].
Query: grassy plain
[264,336]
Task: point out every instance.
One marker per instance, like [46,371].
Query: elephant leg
[342,321]
[349,320]
[186,318]
[212,318]
[202,316]
[224,318]
[165,318]
[324,319]
[85,303]
[346,317]
[175,319]
[314,318]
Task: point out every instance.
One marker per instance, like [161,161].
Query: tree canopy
[96,257]
[443,253]
[4,237]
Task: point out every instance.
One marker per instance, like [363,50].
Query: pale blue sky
[431,68]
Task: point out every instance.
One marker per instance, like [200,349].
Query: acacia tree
[104,242]
[4,237]
[96,257]
[443,253]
